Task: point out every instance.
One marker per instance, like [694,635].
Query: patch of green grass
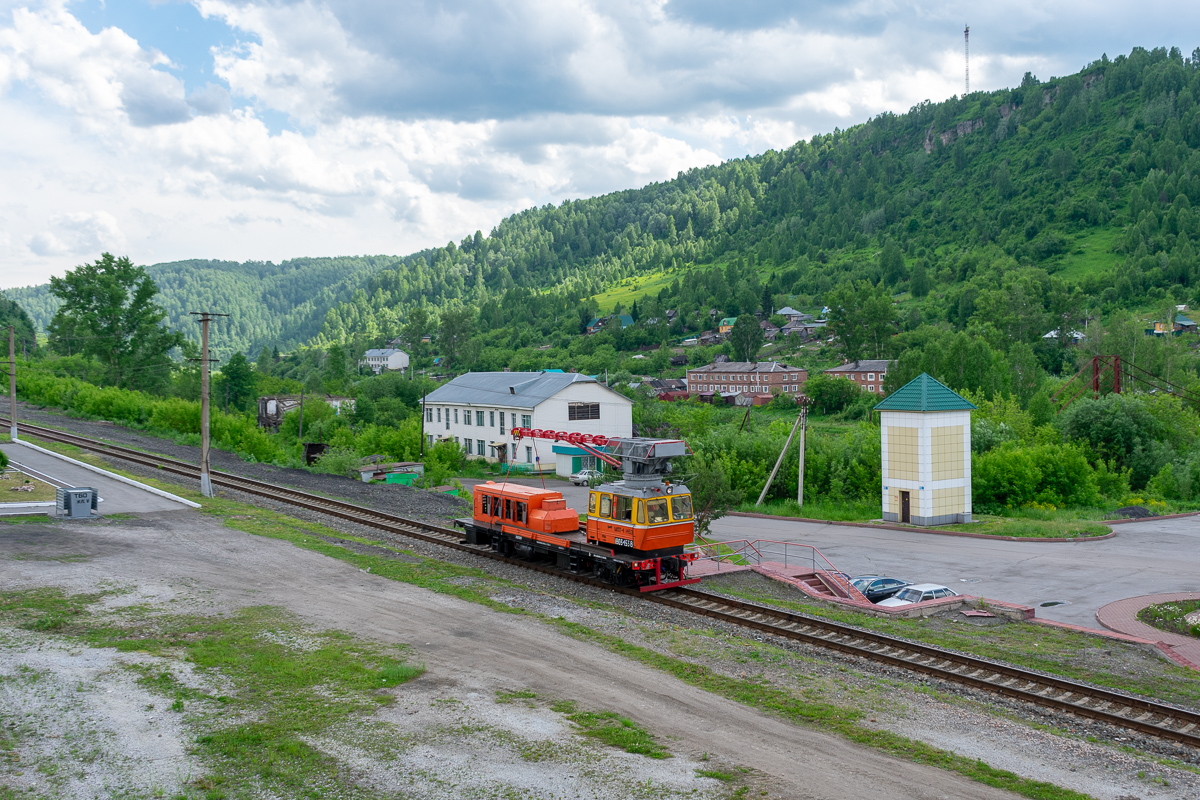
[825,716]
[1062,528]
[520,694]
[1171,617]
[1090,253]
[283,696]
[716,774]
[613,729]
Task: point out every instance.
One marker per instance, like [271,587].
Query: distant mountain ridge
[269,304]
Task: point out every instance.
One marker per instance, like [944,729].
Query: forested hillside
[269,304]
[1012,212]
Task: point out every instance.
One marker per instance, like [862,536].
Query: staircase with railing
[800,565]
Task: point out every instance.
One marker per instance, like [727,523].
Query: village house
[478,410]
[597,323]
[747,377]
[867,373]
[384,359]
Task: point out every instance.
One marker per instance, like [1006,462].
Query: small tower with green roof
[926,446]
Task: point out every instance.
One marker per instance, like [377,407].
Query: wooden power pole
[803,432]
[205,475]
[12,382]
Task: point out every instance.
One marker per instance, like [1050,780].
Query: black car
[877,587]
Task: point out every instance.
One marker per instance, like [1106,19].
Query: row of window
[751,377]
[713,387]
[477,447]
[505,507]
[641,512]
[479,418]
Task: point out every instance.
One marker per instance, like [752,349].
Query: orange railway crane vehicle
[636,528]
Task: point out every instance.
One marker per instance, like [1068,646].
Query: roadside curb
[1120,613]
[112,475]
[1150,518]
[932,532]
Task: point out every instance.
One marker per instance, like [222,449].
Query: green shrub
[1013,476]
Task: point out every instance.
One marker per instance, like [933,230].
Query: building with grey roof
[380,359]
[868,373]
[478,411]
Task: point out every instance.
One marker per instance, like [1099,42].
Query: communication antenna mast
[967,55]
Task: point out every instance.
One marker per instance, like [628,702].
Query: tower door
[905,515]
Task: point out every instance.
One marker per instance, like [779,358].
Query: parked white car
[917,593]
[584,476]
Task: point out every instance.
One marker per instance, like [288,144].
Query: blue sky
[245,129]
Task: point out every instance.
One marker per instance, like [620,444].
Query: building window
[870,376]
[871,388]
[466,416]
[439,413]
[794,388]
[526,422]
[480,447]
[456,416]
[467,444]
[528,455]
[491,419]
[479,418]
[429,415]
[501,422]
[578,411]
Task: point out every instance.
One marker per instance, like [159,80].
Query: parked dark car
[878,587]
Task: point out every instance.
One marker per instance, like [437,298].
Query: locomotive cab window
[592,502]
[484,503]
[641,512]
[681,507]
[519,516]
[605,505]
[656,510]
[623,508]
[507,508]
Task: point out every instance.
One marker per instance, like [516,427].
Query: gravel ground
[1031,741]
[391,498]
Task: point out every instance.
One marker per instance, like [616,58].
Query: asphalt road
[116,497]
[1143,558]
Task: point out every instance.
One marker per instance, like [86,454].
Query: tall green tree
[454,329]
[862,318]
[746,338]
[919,284]
[891,264]
[335,367]
[12,314]
[108,312]
[237,378]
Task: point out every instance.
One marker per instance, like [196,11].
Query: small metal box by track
[77,502]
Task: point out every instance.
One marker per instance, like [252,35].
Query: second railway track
[1105,705]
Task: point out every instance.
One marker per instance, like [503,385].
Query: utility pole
[12,382]
[300,435]
[803,431]
[422,416]
[779,460]
[205,475]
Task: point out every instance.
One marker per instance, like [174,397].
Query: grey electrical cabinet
[77,503]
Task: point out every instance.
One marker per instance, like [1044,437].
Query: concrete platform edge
[869,526]
[108,474]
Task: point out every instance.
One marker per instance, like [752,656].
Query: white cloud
[79,234]
[411,122]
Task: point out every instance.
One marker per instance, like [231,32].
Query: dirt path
[468,647]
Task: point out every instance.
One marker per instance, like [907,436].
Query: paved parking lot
[1143,558]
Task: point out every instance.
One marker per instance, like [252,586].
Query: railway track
[1105,705]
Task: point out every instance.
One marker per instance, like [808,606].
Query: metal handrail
[753,551]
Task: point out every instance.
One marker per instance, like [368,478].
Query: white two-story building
[479,410]
[388,359]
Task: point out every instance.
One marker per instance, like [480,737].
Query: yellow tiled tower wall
[928,455]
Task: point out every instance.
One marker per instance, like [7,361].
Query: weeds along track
[1104,705]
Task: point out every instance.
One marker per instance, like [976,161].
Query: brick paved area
[1121,616]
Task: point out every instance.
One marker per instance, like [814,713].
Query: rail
[1128,712]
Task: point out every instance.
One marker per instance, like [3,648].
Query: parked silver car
[917,593]
[585,476]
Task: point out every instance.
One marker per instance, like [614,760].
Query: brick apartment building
[746,377]
[868,374]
